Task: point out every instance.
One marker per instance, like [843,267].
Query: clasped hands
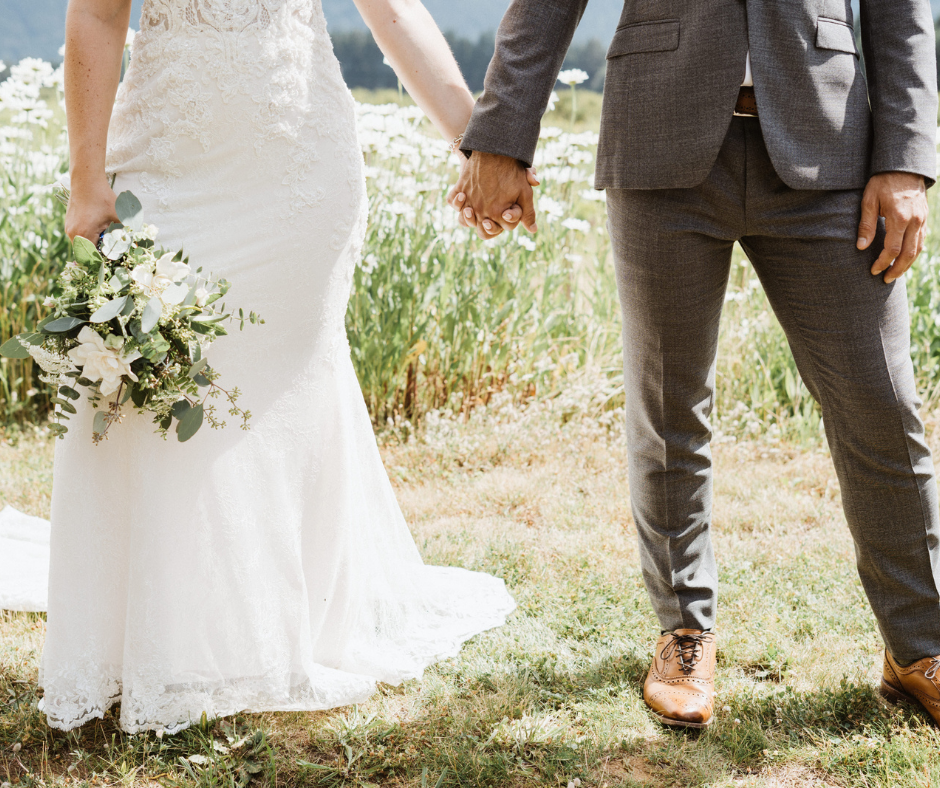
[493,194]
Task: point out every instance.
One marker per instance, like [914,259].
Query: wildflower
[553,100]
[578,225]
[526,243]
[552,209]
[572,77]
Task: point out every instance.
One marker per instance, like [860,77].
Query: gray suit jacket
[673,73]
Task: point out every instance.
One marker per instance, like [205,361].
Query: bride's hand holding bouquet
[131,322]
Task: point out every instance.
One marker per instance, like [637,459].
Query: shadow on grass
[515,727]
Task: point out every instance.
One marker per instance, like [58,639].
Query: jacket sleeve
[900,60]
[531,44]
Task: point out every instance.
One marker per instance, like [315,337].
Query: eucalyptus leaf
[201,380]
[140,396]
[198,367]
[180,408]
[110,310]
[167,422]
[68,391]
[13,348]
[190,423]
[129,210]
[86,254]
[62,325]
[101,422]
[86,383]
[35,339]
[151,316]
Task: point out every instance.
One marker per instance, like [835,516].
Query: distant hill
[34,28]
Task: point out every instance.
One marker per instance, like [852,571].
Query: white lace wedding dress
[261,570]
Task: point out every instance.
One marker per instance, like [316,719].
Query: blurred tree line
[363,64]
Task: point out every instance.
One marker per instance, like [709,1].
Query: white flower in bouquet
[164,281]
[572,77]
[103,360]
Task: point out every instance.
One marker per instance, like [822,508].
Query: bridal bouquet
[133,323]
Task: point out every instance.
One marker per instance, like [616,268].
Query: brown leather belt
[747,102]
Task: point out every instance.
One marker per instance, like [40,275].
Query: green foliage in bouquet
[132,324]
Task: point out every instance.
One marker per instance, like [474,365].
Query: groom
[750,121]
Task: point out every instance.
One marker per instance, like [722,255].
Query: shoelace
[689,649]
[934,668]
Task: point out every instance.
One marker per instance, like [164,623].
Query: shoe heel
[892,695]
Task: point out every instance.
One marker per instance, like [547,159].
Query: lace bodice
[233,16]
[213,72]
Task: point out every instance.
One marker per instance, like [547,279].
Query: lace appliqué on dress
[193,57]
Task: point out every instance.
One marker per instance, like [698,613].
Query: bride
[262,570]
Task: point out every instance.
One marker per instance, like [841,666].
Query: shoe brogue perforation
[679,687]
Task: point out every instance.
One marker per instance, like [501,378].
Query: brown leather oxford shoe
[917,684]
[680,687]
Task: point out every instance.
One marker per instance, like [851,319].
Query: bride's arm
[95,33]
[410,39]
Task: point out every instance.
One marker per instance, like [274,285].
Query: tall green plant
[438,317]
[33,245]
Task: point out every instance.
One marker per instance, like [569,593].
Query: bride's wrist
[84,182]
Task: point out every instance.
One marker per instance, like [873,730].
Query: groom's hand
[493,193]
[901,198]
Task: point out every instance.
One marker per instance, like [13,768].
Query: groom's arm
[900,60]
[531,45]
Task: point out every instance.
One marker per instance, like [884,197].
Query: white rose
[99,362]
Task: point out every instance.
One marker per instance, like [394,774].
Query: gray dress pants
[850,336]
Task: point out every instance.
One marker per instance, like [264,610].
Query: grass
[542,500]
